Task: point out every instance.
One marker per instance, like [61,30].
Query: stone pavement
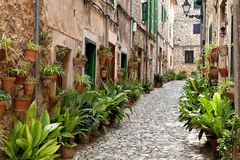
[152,133]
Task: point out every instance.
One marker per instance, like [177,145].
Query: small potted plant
[29,85]
[213,73]
[80,60]
[5,46]
[49,71]
[107,52]
[158,79]
[22,103]
[9,80]
[104,72]
[147,87]
[21,75]
[4,97]
[31,51]
[211,52]
[82,82]
[223,71]
[60,53]
[120,73]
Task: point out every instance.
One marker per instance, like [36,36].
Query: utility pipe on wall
[36,41]
[132,21]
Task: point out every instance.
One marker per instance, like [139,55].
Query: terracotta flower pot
[29,87]
[119,73]
[213,141]
[158,85]
[20,79]
[47,80]
[80,87]
[109,59]
[103,73]
[102,60]
[79,61]
[7,83]
[31,54]
[223,71]
[21,105]
[3,105]
[214,55]
[67,153]
[213,73]
[2,54]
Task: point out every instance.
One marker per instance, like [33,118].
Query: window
[197,4]
[196,28]
[144,11]
[210,34]
[189,56]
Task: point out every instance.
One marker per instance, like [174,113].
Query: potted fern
[49,72]
[8,80]
[158,79]
[82,82]
[31,51]
[4,97]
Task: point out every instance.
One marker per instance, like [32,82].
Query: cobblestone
[152,133]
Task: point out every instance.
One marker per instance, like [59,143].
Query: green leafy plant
[60,52]
[31,45]
[3,136]
[181,75]
[4,96]
[83,79]
[45,39]
[170,75]
[224,85]
[50,69]
[107,52]
[158,78]
[35,138]
[208,49]
[30,79]
[148,86]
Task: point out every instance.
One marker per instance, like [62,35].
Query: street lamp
[186,9]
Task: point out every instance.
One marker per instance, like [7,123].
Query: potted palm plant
[9,80]
[29,85]
[31,51]
[4,97]
[158,79]
[82,82]
[104,72]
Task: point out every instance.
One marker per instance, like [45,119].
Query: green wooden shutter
[164,14]
[144,11]
[151,17]
[155,16]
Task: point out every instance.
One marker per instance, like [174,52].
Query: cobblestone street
[153,132]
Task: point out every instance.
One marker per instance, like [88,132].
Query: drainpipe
[36,40]
[132,21]
[106,27]
[203,33]
[147,40]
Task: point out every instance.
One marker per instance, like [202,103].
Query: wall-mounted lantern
[223,31]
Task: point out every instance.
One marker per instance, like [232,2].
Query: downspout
[147,36]
[203,31]
[106,27]
[36,40]
[131,29]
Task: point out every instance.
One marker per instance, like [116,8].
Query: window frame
[195,29]
[187,58]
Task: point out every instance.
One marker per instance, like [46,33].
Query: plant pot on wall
[21,105]
[80,87]
[102,60]
[223,50]
[31,54]
[109,59]
[2,54]
[213,73]
[214,55]
[103,73]
[79,61]
[20,79]
[29,87]
[47,80]
[223,71]
[120,73]
[3,105]
[8,83]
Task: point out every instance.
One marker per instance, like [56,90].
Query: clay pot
[103,73]
[2,54]
[80,87]
[29,87]
[223,50]
[230,94]
[158,84]
[213,73]
[21,105]
[213,141]
[7,83]
[223,71]
[214,55]
[102,60]
[31,54]
[79,61]
[67,153]
[47,80]
[109,59]
[20,79]
[3,105]
[119,73]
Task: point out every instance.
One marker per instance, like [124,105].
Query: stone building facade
[186,39]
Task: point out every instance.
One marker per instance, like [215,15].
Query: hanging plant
[31,51]
[80,60]
[60,53]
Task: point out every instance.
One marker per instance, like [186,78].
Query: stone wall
[184,39]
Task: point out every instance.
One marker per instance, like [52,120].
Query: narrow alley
[153,132]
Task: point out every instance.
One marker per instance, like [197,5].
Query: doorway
[124,65]
[90,68]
